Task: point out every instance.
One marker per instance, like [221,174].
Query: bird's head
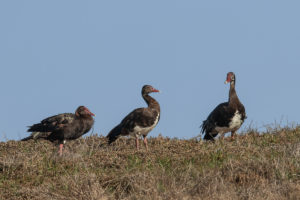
[230,77]
[82,110]
[148,89]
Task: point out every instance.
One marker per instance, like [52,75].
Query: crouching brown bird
[140,121]
[62,127]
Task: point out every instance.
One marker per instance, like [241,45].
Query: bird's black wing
[142,117]
[53,123]
[219,117]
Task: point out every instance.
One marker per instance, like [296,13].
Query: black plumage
[226,117]
[62,127]
[140,121]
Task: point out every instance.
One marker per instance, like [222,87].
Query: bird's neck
[233,98]
[152,103]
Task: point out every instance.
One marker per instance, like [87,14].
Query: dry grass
[253,166]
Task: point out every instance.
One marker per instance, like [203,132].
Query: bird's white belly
[138,131]
[234,125]
[236,121]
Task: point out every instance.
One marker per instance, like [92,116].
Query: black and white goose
[62,127]
[140,121]
[226,117]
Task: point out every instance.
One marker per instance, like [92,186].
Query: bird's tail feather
[37,135]
[206,128]
[208,137]
[27,138]
[114,134]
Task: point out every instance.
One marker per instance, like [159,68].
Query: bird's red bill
[90,112]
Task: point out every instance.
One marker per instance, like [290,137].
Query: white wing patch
[138,131]
[235,123]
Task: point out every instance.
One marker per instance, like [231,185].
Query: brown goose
[62,127]
[226,117]
[140,121]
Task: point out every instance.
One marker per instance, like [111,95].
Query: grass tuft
[253,166]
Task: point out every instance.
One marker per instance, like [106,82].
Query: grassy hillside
[251,167]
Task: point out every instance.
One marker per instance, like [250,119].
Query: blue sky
[57,55]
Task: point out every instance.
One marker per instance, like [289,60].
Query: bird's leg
[232,135]
[222,136]
[61,149]
[145,142]
[137,143]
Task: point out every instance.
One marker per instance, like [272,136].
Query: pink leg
[61,149]
[222,136]
[146,143]
[233,135]
[137,143]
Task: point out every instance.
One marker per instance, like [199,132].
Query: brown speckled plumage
[140,121]
[62,127]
